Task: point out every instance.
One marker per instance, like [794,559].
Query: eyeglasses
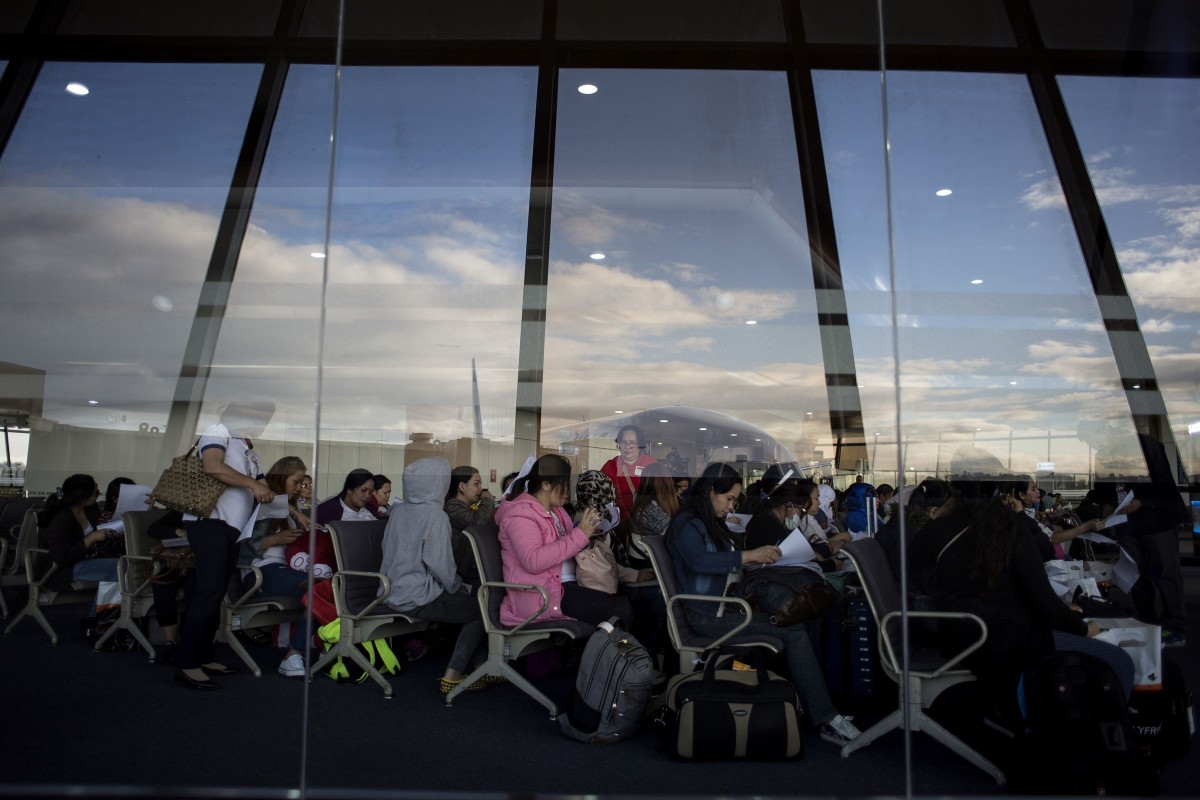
[629,444]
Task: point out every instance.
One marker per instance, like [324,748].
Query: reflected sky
[686,182]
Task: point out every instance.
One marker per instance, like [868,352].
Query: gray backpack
[612,689]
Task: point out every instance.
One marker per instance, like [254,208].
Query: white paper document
[1114,520]
[1092,536]
[276,509]
[797,552]
[132,497]
[1125,572]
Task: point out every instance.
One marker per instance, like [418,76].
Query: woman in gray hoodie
[420,565]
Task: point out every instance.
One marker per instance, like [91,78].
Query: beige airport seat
[359,588]
[12,555]
[38,570]
[509,642]
[691,645]
[241,610]
[137,592]
[930,672]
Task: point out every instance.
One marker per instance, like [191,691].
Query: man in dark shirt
[1151,534]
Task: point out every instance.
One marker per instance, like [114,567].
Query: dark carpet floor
[79,722]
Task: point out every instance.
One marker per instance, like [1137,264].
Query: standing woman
[625,469]
[708,559]
[227,454]
[67,528]
[538,545]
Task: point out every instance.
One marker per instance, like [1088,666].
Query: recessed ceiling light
[977,281]
[979,429]
[93,402]
[163,304]
[588,88]
[758,440]
[664,420]
[725,446]
[808,413]
[704,429]
[944,192]
[596,256]
[618,412]
[751,322]
[77,89]
[1012,383]
[317,255]
[733,434]
[1137,386]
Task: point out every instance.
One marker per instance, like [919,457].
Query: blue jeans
[280,579]
[804,670]
[95,569]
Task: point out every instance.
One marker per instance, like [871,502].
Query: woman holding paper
[266,548]
[991,568]
[709,558]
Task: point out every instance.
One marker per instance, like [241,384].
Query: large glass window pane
[1001,342]
[681,288]
[112,188]
[1138,136]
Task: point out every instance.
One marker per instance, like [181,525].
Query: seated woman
[266,548]
[1048,538]
[991,568]
[467,503]
[380,501]
[921,504]
[708,559]
[67,529]
[420,565]
[595,490]
[110,498]
[538,544]
[654,503]
[351,504]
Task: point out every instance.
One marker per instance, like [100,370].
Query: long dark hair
[114,491]
[717,478]
[550,468]
[994,528]
[459,475]
[74,490]
[355,479]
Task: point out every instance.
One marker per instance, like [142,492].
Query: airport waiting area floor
[114,724]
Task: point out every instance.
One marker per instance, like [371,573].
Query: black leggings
[594,607]
[215,550]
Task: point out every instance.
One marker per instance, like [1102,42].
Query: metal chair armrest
[125,567]
[708,598]
[30,555]
[339,592]
[885,641]
[485,605]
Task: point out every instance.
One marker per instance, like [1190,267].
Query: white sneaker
[293,666]
[839,730]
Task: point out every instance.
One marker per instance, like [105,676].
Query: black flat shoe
[182,677]
[221,671]
[165,653]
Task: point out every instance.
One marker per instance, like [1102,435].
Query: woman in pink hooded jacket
[538,544]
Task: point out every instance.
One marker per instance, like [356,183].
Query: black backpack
[612,689]
[1078,738]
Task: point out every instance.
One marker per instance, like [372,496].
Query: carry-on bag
[612,688]
[721,714]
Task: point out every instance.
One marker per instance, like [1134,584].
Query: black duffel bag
[725,713]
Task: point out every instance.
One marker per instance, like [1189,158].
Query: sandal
[447,685]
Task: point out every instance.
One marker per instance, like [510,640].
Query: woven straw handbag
[185,486]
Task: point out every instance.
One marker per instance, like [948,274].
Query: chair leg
[235,644]
[32,609]
[495,665]
[891,722]
[348,650]
[951,741]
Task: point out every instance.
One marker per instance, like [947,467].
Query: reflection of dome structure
[699,435]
